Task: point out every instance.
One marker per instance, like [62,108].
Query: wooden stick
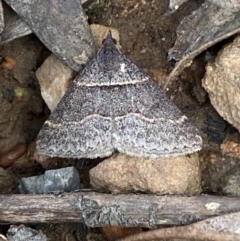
[126,210]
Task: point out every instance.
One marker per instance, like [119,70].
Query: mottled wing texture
[154,127]
[80,126]
[115,106]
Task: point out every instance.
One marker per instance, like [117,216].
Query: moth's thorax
[110,58]
[112,69]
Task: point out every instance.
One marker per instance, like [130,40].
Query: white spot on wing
[122,68]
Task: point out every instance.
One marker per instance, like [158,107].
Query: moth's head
[109,39]
[109,56]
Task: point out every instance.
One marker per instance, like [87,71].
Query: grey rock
[210,24]
[232,5]
[213,125]
[231,183]
[15,27]
[22,233]
[61,25]
[60,180]
[1,17]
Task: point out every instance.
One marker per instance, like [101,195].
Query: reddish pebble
[9,157]
[8,62]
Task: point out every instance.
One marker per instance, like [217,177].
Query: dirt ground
[146,36]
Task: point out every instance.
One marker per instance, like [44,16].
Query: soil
[146,35]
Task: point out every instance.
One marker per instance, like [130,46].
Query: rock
[210,24]
[123,174]
[1,19]
[15,27]
[63,28]
[232,5]
[221,81]
[23,233]
[231,148]
[231,183]
[54,78]
[213,124]
[60,180]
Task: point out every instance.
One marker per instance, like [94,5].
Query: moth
[113,105]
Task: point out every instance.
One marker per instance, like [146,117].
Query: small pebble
[23,233]
[8,62]
[60,180]
[231,148]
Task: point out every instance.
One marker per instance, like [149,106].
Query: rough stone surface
[60,180]
[15,27]
[54,78]
[231,148]
[233,5]
[222,82]
[62,27]
[200,30]
[123,174]
[23,233]
[231,184]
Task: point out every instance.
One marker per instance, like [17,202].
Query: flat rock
[54,78]
[60,180]
[221,81]
[61,25]
[122,174]
[15,27]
